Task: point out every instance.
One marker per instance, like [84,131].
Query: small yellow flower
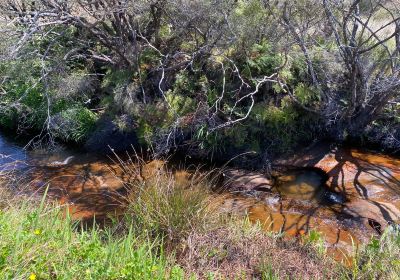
[37,231]
[32,276]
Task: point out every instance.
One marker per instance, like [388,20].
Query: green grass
[380,259]
[41,242]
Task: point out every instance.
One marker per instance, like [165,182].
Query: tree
[367,48]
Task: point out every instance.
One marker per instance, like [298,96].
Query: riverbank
[166,232]
[169,233]
[347,195]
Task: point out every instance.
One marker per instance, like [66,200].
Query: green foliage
[144,132]
[74,124]
[149,56]
[211,143]
[262,61]
[187,84]
[116,77]
[8,118]
[268,273]
[180,104]
[315,239]
[280,129]
[238,135]
[298,70]
[247,21]
[306,95]
[26,105]
[285,126]
[250,10]
[380,258]
[23,99]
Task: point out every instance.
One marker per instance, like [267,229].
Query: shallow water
[301,184]
[11,155]
[347,195]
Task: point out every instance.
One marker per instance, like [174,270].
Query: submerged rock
[334,197]
[242,180]
[301,184]
[65,162]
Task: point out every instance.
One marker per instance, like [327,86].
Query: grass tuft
[161,207]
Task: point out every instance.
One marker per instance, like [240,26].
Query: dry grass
[239,250]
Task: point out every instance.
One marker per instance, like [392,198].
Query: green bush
[262,60]
[306,95]
[74,124]
[8,118]
[284,127]
[23,102]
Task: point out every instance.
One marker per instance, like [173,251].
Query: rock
[242,180]
[301,184]
[368,183]
[61,163]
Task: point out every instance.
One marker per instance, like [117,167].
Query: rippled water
[11,155]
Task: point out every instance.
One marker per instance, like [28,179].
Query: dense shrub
[74,124]
[190,73]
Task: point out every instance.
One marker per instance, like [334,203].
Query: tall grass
[165,204]
[162,208]
[380,259]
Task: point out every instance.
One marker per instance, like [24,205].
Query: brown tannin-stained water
[302,185]
[346,195]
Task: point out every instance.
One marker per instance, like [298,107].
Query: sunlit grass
[162,208]
[39,241]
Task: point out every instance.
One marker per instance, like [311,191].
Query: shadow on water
[12,156]
[348,195]
[368,181]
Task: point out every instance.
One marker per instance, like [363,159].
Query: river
[346,194]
